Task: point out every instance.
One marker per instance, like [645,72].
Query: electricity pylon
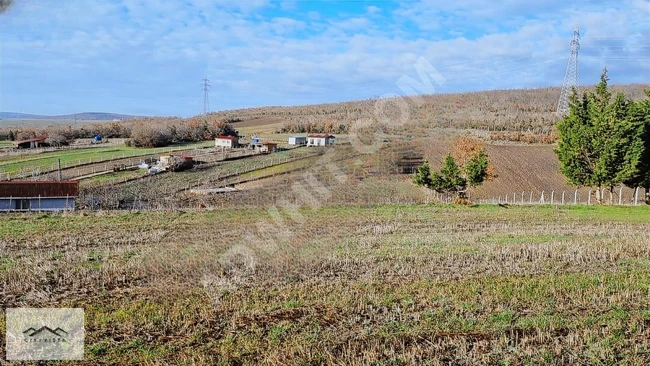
[571,78]
[205,85]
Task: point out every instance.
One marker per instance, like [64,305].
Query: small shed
[32,143]
[229,142]
[266,147]
[320,139]
[38,195]
[297,140]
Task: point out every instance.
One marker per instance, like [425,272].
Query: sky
[148,57]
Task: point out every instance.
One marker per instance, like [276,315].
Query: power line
[571,77]
[205,86]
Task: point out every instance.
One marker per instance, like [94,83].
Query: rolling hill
[85,116]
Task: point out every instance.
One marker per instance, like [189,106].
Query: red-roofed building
[266,147]
[34,142]
[38,195]
[229,142]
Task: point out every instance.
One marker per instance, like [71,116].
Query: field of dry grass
[346,285]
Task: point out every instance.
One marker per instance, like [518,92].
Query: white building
[228,142]
[321,139]
[297,140]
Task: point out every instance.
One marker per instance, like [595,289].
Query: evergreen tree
[623,150]
[476,168]
[453,178]
[639,116]
[450,178]
[599,145]
[423,175]
[576,150]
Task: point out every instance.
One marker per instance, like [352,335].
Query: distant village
[60,195]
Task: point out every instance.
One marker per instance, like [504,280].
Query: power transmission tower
[571,78]
[205,86]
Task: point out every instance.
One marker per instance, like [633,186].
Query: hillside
[86,116]
[502,110]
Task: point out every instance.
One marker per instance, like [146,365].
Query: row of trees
[465,167]
[142,132]
[147,134]
[604,141]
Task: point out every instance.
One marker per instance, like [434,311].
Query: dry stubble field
[385,285]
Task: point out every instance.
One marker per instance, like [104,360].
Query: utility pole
[60,178]
[205,86]
[571,77]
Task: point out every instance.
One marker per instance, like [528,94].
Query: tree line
[140,132]
[604,141]
[465,167]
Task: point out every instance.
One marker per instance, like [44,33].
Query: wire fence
[619,196]
[34,171]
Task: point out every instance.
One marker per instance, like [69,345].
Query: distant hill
[530,110]
[85,116]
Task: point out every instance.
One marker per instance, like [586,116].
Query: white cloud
[136,48]
[373,9]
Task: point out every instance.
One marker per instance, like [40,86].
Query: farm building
[297,140]
[229,142]
[266,147]
[322,139]
[38,195]
[34,142]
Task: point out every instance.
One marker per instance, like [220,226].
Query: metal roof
[33,139]
[227,137]
[17,188]
[320,135]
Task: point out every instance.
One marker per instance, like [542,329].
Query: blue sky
[147,57]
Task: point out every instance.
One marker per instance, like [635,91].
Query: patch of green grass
[639,213]
[278,333]
[6,262]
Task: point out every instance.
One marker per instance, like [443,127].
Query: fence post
[531,198]
[575,197]
[589,198]
[620,195]
[563,197]
[636,195]
[506,198]
[552,196]
[541,199]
